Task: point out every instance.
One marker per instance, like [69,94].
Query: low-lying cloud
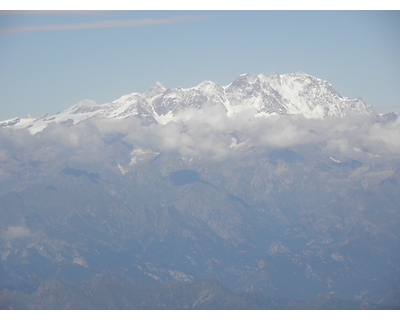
[207,132]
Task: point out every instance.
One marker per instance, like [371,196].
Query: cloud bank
[203,133]
[209,132]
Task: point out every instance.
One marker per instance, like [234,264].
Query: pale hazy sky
[51,60]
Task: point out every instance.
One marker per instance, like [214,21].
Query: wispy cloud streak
[103,24]
[55,12]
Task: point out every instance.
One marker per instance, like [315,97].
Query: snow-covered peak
[86,102]
[206,86]
[272,76]
[212,90]
[314,98]
[84,106]
[156,89]
[245,80]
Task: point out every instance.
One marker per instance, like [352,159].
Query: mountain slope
[291,224]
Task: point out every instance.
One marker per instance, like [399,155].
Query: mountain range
[270,192]
[255,95]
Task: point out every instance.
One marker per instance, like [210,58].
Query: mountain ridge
[249,94]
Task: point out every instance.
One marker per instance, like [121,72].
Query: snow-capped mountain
[257,95]
[275,186]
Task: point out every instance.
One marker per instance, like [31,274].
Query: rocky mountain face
[276,187]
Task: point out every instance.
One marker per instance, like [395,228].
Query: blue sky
[51,60]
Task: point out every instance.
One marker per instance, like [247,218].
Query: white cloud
[13,232]
[207,132]
[35,12]
[103,24]
[383,138]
